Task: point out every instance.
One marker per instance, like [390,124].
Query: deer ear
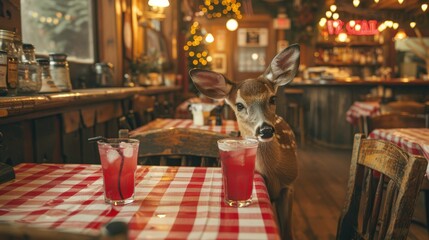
[211,84]
[284,66]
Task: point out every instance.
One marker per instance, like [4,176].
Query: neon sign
[355,27]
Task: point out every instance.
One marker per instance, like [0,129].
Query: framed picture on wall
[253,37]
[219,62]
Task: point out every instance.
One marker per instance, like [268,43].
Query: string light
[400,1]
[322,22]
[335,16]
[333,8]
[328,14]
[232,24]
[424,7]
[413,24]
[356,3]
[376,1]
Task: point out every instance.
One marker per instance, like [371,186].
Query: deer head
[253,100]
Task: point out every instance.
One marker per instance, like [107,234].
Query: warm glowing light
[209,38]
[328,14]
[342,37]
[376,1]
[356,3]
[333,8]
[158,3]
[322,22]
[335,16]
[382,27]
[400,1]
[424,7]
[232,24]
[335,24]
[255,56]
[388,23]
[395,25]
[352,23]
[413,24]
[358,27]
[400,35]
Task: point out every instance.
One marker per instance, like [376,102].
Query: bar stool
[295,106]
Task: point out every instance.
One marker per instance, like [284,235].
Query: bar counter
[24,107]
[54,128]
[327,101]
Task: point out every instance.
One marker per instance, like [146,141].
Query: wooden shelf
[349,44]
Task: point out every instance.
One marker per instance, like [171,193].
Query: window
[61,27]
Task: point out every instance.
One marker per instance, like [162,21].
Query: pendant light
[158,3]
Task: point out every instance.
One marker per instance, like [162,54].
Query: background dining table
[227,126]
[170,203]
[412,140]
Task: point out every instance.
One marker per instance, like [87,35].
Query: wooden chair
[411,107]
[386,212]
[394,120]
[179,146]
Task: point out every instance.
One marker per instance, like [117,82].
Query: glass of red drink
[237,157]
[119,162]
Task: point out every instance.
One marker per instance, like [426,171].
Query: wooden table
[227,126]
[171,202]
[412,140]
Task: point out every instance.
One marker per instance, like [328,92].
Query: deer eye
[272,100]
[239,106]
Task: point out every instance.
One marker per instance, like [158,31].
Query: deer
[253,103]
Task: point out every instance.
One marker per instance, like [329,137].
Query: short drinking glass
[237,157]
[118,158]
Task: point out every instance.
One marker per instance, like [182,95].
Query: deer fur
[253,102]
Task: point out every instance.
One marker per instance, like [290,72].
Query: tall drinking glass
[237,157]
[118,158]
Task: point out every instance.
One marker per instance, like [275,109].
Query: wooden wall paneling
[110,44]
[10,15]
[16,145]
[47,139]
[71,148]
[89,150]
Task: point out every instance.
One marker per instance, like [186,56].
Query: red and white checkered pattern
[362,109]
[412,140]
[227,127]
[171,203]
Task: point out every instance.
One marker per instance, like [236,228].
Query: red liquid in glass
[111,173]
[238,169]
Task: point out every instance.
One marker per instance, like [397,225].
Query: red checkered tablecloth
[412,140]
[171,203]
[227,127]
[362,109]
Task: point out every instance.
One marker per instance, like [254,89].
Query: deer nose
[266,131]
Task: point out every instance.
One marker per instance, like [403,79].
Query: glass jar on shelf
[29,73]
[48,86]
[60,71]
[7,44]
[3,73]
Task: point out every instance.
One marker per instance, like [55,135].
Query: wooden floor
[320,191]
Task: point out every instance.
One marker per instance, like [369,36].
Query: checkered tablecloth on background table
[227,127]
[362,109]
[171,203]
[412,140]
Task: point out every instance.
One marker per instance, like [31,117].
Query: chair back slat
[187,146]
[387,211]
